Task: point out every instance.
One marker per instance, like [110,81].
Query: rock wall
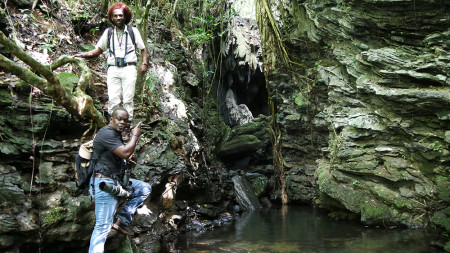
[41,208]
[362,95]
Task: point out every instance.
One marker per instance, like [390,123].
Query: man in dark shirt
[109,156]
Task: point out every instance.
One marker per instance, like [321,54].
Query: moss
[373,212]
[216,131]
[249,128]
[52,216]
[5,98]
[425,166]
[67,80]
[240,144]
[443,188]
[260,185]
[447,247]
[447,211]
[299,99]
[439,218]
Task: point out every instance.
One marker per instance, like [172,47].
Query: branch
[77,103]
[170,18]
[84,104]
[23,73]
[19,53]
[147,9]
[86,76]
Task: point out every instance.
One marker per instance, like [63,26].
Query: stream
[303,229]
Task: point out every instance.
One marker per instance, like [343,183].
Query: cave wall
[361,91]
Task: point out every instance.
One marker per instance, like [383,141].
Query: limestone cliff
[361,95]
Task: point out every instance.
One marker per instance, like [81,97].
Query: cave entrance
[245,96]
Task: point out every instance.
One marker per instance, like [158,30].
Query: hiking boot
[122,227]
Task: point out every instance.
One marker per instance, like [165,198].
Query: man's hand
[93,53]
[143,68]
[126,151]
[132,159]
[137,129]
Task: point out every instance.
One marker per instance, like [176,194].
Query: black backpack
[84,165]
[130,32]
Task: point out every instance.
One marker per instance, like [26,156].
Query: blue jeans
[105,208]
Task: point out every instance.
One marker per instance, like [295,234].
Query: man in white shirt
[122,58]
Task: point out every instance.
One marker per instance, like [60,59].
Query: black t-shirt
[106,140]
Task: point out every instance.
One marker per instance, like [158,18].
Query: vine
[271,31]
[275,129]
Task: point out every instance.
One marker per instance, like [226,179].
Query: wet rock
[245,194]
[240,146]
[208,211]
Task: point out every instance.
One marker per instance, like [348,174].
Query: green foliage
[48,47]
[79,15]
[94,30]
[436,146]
[298,99]
[216,131]
[52,216]
[149,97]
[27,16]
[205,27]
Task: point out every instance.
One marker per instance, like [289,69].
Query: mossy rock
[249,128]
[5,98]
[216,131]
[260,185]
[240,145]
[447,247]
[52,216]
[443,188]
[373,213]
[9,149]
[439,218]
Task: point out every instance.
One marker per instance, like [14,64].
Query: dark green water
[304,229]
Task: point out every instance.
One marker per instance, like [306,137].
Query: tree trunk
[142,26]
[76,102]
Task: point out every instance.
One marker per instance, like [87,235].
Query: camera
[120,62]
[117,190]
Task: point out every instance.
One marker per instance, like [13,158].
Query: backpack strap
[110,34]
[94,164]
[131,33]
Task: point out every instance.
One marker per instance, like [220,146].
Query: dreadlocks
[126,12]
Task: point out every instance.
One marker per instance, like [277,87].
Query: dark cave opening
[244,95]
[251,91]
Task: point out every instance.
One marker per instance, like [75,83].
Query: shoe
[122,227]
